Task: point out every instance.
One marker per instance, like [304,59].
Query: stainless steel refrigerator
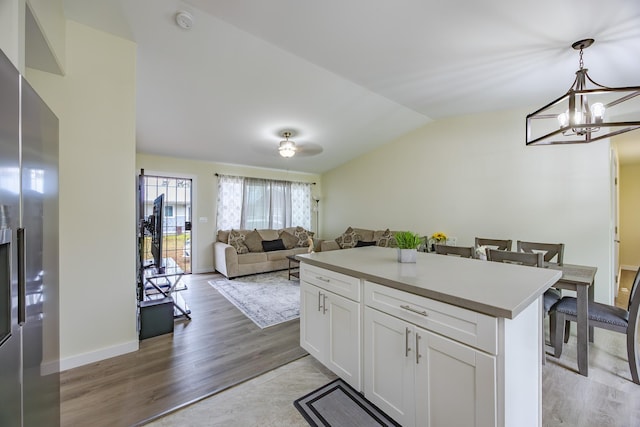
[29,302]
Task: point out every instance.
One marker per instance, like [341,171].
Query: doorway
[176,227]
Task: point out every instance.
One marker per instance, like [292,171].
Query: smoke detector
[184,19]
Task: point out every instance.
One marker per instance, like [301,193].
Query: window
[250,203]
[168,211]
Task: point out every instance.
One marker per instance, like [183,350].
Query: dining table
[581,279]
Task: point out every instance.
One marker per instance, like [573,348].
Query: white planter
[407,255]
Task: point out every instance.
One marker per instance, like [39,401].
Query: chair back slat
[503,245]
[461,251]
[634,295]
[522,258]
[550,250]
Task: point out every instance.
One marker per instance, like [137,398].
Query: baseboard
[629,267]
[96,356]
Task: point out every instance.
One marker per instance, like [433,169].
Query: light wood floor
[218,348]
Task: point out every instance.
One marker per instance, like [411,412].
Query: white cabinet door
[313,331]
[343,356]
[423,379]
[330,331]
[388,365]
[455,384]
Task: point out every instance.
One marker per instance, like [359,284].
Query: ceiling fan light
[287,148]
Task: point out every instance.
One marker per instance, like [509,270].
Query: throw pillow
[273,245]
[290,241]
[363,243]
[236,239]
[387,240]
[253,241]
[303,236]
[348,239]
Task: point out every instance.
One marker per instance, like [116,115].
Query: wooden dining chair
[551,296]
[461,251]
[550,250]
[503,245]
[606,317]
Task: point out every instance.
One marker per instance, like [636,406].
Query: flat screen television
[156,222]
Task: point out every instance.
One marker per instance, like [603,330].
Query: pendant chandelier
[287,148]
[587,112]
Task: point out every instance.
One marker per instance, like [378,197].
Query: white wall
[473,176]
[205,193]
[95,103]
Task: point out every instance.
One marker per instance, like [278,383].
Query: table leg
[591,293]
[583,329]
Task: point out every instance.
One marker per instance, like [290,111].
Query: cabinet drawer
[341,284]
[465,326]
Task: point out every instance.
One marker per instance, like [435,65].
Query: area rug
[267,299]
[337,404]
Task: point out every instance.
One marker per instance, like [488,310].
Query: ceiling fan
[289,148]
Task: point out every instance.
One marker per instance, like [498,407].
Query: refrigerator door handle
[22,285]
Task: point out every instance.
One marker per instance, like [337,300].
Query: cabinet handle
[418,355]
[406,342]
[422,313]
[324,303]
[324,279]
[319,303]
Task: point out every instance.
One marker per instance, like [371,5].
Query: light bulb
[578,118]
[597,112]
[563,119]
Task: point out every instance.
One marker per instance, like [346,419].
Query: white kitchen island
[446,341]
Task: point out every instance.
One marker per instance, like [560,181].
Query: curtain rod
[267,179]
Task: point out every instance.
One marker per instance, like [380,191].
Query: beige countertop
[492,288]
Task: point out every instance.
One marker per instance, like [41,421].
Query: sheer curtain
[248,203]
[229,202]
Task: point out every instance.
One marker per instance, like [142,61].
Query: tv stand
[165,282]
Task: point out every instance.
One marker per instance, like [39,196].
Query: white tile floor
[263,401]
[606,398]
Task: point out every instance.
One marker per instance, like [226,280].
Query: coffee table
[294,267]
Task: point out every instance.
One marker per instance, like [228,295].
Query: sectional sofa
[243,252]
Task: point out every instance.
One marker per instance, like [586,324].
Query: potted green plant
[408,244]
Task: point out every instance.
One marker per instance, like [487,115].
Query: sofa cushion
[303,236]
[348,239]
[387,240]
[253,241]
[273,245]
[223,236]
[252,258]
[363,243]
[269,234]
[365,234]
[290,241]
[236,239]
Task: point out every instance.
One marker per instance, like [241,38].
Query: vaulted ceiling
[348,76]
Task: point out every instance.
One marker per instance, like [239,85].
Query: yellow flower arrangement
[439,237]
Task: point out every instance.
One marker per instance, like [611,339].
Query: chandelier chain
[581,61]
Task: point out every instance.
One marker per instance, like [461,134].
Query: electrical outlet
[452,241]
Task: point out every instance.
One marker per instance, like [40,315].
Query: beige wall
[12,31]
[205,193]
[629,207]
[95,103]
[473,176]
[49,15]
